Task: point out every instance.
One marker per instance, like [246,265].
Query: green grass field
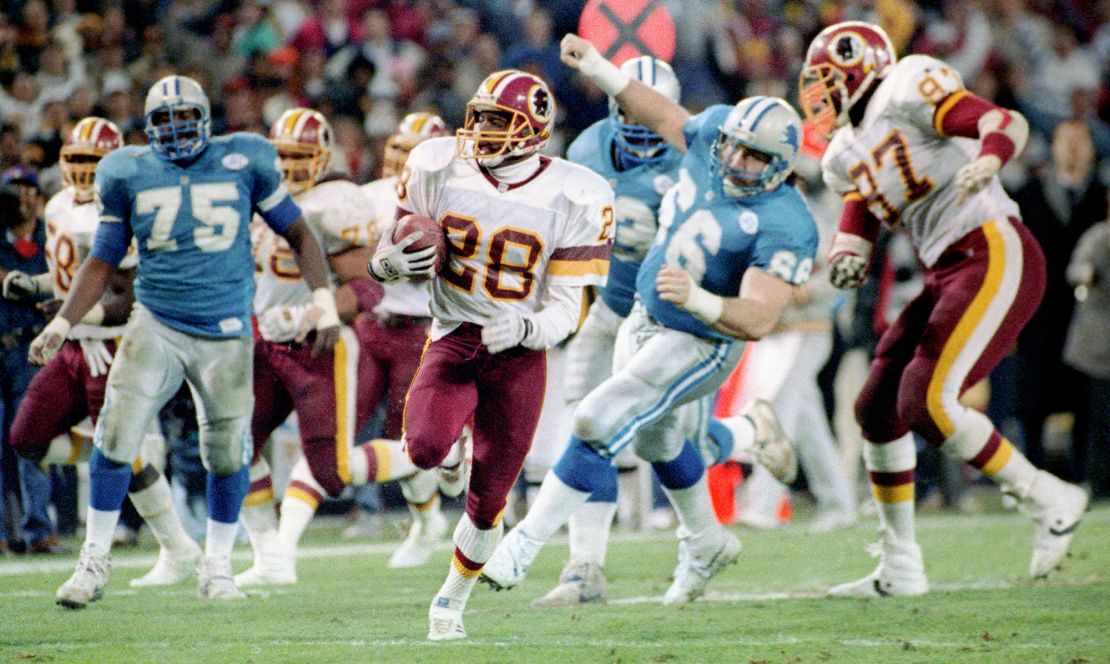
[349,608]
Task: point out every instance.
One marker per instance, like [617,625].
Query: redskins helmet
[413,130]
[530,109]
[303,139]
[88,141]
[844,62]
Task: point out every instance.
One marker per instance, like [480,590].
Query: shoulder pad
[585,145]
[909,74]
[379,186]
[122,163]
[434,154]
[584,187]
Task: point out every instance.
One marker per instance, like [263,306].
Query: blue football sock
[108,482]
[582,468]
[723,437]
[226,494]
[683,471]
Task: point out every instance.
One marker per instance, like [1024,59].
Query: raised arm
[647,106]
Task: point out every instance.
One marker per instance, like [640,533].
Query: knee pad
[225,446]
[424,452]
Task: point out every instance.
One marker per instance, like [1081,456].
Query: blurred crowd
[366,63]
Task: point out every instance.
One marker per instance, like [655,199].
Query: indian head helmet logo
[540,103]
[847,49]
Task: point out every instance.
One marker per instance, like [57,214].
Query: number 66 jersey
[507,241]
[901,163]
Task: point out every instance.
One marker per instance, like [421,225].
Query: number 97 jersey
[191,224]
[902,164]
[716,238]
[507,242]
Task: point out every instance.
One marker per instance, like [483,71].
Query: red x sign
[624,29]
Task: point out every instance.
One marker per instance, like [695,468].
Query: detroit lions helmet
[635,143]
[178,118]
[766,125]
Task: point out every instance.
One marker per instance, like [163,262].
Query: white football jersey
[339,217]
[403,298]
[70,232]
[507,242]
[899,160]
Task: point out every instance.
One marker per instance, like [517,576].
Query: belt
[401,320]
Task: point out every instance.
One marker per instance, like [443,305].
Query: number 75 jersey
[507,242]
[191,224]
[902,164]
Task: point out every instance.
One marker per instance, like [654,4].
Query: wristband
[607,75]
[705,306]
[94,316]
[59,326]
[323,298]
[44,283]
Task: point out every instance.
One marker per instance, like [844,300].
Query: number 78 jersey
[507,242]
[902,164]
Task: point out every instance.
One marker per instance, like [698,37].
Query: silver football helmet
[636,144]
[766,125]
[178,118]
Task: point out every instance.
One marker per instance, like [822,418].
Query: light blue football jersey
[717,238]
[638,192]
[191,224]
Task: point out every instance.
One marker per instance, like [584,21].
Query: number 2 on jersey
[463,238]
[219,224]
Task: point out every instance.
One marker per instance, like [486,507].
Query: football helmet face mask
[844,62]
[413,130]
[526,108]
[636,144]
[303,138]
[766,126]
[178,118]
[84,146]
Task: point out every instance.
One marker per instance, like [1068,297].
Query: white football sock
[895,501]
[743,433]
[99,529]
[220,539]
[554,504]
[155,505]
[589,528]
[476,546]
[297,506]
[693,507]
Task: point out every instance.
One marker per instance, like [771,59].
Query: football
[433,236]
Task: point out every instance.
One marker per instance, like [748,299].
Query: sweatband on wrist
[58,325]
[325,300]
[705,306]
[95,316]
[609,77]
[44,283]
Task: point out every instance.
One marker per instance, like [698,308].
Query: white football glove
[282,322]
[21,286]
[971,178]
[97,356]
[46,345]
[577,53]
[391,262]
[848,260]
[505,332]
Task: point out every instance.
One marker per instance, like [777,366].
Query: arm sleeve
[558,316]
[1000,133]
[270,198]
[582,255]
[113,233]
[856,219]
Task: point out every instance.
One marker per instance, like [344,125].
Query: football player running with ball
[912,147]
[737,229]
[525,233]
[187,200]
[71,386]
[641,167]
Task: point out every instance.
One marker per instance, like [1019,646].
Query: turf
[349,608]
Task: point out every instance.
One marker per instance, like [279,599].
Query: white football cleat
[1056,508]
[87,582]
[700,558]
[510,561]
[445,624]
[275,567]
[215,580]
[172,566]
[421,541]
[771,448]
[455,476]
[579,583]
[901,571]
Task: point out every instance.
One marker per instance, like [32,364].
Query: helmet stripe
[771,103]
[419,122]
[86,129]
[177,85]
[754,103]
[495,79]
[291,122]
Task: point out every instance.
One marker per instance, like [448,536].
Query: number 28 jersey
[507,242]
[716,238]
[902,164]
[191,222]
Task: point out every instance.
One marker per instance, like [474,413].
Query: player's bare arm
[119,297]
[639,101]
[88,286]
[754,314]
[310,260]
[355,288]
